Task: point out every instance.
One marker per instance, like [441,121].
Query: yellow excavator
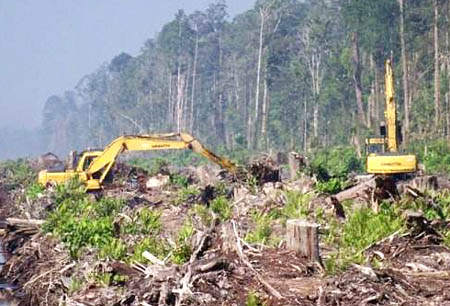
[92,167]
[383,156]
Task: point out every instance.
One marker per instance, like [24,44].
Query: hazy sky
[46,46]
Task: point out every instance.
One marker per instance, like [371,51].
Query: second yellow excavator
[383,156]
[92,167]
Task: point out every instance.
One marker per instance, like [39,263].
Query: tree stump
[302,236]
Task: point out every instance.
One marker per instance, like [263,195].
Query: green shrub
[153,245]
[17,173]
[434,155]
[80,223]
[34,190]
[262,230]
[187,194]
[152,165]
[362,228]
[336,162]
[146,221]
[221,206]
[179,180]
[297,205]
[183,249]
[253,299]
[203,212]
[332,186]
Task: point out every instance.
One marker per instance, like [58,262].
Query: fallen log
[24,222]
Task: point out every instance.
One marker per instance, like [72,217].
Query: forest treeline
[284,75]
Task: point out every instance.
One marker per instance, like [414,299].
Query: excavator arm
[390,113]
[100,166]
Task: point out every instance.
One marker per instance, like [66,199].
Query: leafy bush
[34,190]
[434,155]
[183,249]
[154,245]
[203,212]
[79,222]
[253,299]
[152,165]
[17,173]
[145,222]
[262,231]
[332,166]
[186,194]
[296,205]
[332,186]
[362,228]
[179,180]
[336,162]
[222,207]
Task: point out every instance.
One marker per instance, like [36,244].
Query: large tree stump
[302,236]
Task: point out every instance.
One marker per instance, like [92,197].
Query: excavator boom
[94,174]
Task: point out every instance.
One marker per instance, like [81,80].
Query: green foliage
[204,213]
[146,221]
[179,180]
[262,230]
[186,194]
[75,284]
[17,173]
[296,205]
[253,299]
[336,163]
[332,186]
[80,223]
[362,228]
[154,245]
[183,249]
[222,207]
[34,190]
[114,248]
[434,155]
[153,165]
[107,279]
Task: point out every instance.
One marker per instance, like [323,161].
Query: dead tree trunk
[405,72]
[262,13]
[357,78]
[302,236]
[194,74]
[436,67]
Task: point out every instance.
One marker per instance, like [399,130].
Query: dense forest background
[284,75]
